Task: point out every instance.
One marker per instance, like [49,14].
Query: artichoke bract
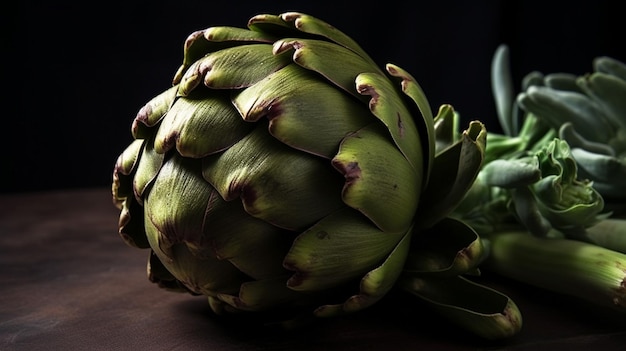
[283,172]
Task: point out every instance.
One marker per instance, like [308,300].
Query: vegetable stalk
[565,266]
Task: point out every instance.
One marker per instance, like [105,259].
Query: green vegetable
[590,272]
[550,195]
[286,175]
[541,191]
[589,112]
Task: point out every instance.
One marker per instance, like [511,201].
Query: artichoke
[285,174]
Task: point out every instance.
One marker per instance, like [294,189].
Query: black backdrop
[77,72]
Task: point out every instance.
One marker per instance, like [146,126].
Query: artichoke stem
[565,266]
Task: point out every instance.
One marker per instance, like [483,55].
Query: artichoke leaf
[216,70]
[125,165]
[454,171]
[317,55]
[147,169]
[311,25]
[449,248]
[176,233]
[375,284]
[179,181]
[446,126]
[340,248]
[474,307]
[272,24]
[412,89]
[382,184]
[235,34]
[195,47]
[250,244]
[304,112]
[158,274]
[131,224]
[152,113]
[208,276]
[202,42]
[200,124]
[425,125]
[281,185]
[388,106]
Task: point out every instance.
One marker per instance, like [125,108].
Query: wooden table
[68,282]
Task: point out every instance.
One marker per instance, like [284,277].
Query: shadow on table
[401,322]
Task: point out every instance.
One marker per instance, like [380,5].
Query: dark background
[78,72]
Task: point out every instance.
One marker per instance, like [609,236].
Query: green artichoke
[284,172]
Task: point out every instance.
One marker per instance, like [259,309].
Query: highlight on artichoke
[551,191]
[286,175]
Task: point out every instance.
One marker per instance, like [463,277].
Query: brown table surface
[67,281]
